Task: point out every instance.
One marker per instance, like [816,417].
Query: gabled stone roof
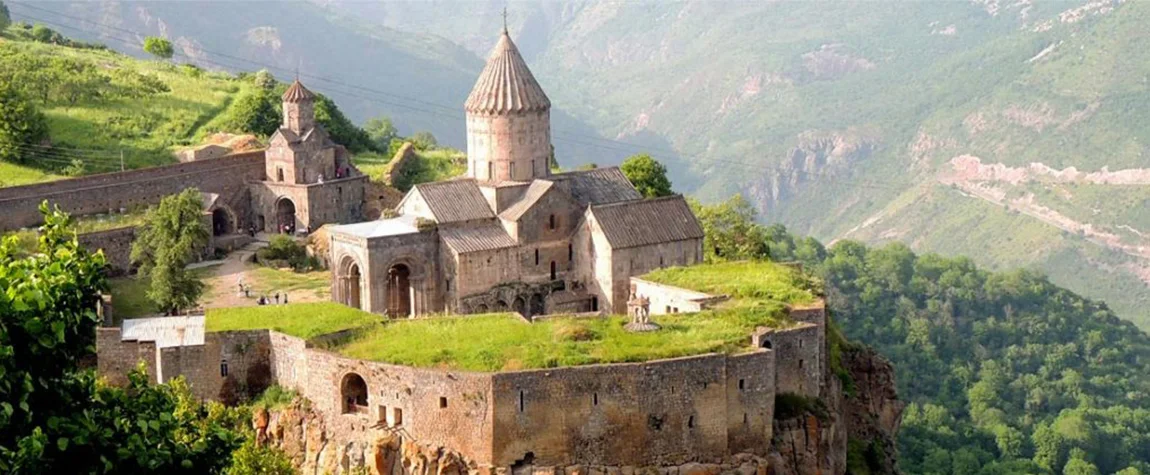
[647,222]
[297,93]
[597,186]
[506,84]
[534,192]
[455,200]
[484,237]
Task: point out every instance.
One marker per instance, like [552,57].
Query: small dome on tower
[297,93]
[506,84]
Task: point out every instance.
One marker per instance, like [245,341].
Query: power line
[559,134]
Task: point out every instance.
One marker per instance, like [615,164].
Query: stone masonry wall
[670,299]
[116,358]
[245,353]
[117,247]
[443,408]
[661,413]
[110,191]
[636,261]
[798,365]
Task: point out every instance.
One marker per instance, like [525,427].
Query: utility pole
[121,160]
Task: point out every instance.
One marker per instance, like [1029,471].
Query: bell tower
[508,120]
[299,108]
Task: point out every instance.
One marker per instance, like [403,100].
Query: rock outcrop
[866,416]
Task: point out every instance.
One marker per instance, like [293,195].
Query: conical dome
[506,84]
[297,93]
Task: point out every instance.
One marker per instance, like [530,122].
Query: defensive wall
[117,247]
[696,409]
[226,176]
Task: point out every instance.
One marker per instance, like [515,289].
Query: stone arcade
[511,235]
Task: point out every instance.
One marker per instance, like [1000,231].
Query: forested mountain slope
[846,120]
[918,123]
[1005,372]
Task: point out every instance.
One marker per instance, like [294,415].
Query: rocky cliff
[851,430]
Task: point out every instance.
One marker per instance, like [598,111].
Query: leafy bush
[789,405]
[22,125]
[283,251]
[423,140]
[158,47]
[254,459]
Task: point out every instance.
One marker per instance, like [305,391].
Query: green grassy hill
[98,127]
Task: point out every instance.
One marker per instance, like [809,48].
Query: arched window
[353,393]
[553,270]
[536,257]
[551,222]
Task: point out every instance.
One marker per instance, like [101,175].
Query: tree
[342,130]
[648,175]
[423,140]
[22,126]
[264,79]
[730,231]
[5,16]
[171,235]
[158,47]
[254,112]
[48,302]
[381,131]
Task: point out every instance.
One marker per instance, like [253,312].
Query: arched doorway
[398,291]
[537,306]
[350,283]
[520,305]
[285,216]
[353,393]
[222,223]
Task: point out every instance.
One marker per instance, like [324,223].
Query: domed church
[510,234]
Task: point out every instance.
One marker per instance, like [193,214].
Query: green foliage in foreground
[252,459]
[55,417]
[171,235]
[1005,372]
[303,320]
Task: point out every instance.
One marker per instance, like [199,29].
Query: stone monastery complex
[510,236]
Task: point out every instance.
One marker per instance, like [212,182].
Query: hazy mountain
[947,125]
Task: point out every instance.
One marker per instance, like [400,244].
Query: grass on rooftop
[303,320]
[760,292]
[745,281]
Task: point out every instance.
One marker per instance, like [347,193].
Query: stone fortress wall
[117,247]
[696,409]
[106,192]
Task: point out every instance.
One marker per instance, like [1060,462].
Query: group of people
[263,299]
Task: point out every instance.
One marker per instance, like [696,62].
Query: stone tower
[300,152]
[299,108]
[508,120]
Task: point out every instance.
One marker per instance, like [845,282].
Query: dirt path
[223,284]
[223,281]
